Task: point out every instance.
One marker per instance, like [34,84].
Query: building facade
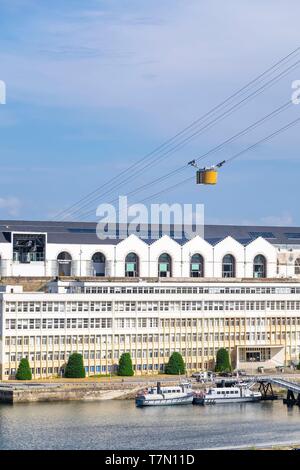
[49,249]
[149,298]
[258,322]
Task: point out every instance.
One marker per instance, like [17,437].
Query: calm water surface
[119,425]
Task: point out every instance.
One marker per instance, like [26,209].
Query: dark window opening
[253,356]
[164,265]
[29,248]
[64,261]
[131,265]
[197,266]
[228,266]
[98,261]
[297,266]
[259,266]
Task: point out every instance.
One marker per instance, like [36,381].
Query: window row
[78,323]
[183,290]
[103,342]
[162,306]
[146,322]
[57,323]
[164,265]
[58,307]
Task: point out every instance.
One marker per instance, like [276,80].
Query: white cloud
[281,220]
[277,220]
[191,52]
[10,205]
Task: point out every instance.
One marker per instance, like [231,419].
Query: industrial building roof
[85,232]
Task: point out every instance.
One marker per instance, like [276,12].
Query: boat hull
[140,401]
[215,401]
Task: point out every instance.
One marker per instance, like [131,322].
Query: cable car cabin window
[29,248]
[228,266]
[196,266]
[259,266]
[164,265]
[131,265]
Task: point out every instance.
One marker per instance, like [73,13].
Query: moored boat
[239,393]
[170,395]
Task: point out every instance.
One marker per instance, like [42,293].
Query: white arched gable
[6,268]
[131,244]
[229,246]
[107,250]
[201,246]
[260,246]
[165,244]
[81,255]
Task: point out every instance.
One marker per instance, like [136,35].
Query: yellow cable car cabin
[207,176]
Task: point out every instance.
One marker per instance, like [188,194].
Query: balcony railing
[28,257]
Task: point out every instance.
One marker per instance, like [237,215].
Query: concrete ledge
[29,393]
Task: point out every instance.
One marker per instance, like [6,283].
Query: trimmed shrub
[125,365]
[222,361]
[175,365]
[75,368]
[24,371]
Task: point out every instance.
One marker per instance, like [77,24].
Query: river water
[120,425]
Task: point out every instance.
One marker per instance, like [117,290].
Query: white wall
[165,245]
[260,246]
[148,258]
[81,257]
[194,246]
[229,246]
[132,244]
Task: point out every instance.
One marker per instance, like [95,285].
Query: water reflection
[119,425]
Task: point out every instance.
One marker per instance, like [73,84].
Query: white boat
[239,393]
[171,395]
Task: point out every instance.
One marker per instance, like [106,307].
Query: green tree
[175,365]
[75,368]
[125,365]
[222,361]
[298,365]
[24,371]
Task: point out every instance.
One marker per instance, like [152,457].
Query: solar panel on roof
[244,241]
[262,234]
[213,241]
[82,230]
[293,236]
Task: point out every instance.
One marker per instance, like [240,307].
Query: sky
[94,86]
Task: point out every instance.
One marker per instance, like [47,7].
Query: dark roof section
[85,232]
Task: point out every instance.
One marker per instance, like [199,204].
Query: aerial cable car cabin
[207,175]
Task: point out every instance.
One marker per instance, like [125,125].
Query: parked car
[225,374]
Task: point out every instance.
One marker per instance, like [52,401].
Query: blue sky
[93,86]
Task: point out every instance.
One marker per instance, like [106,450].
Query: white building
[49,249]
[238,288]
